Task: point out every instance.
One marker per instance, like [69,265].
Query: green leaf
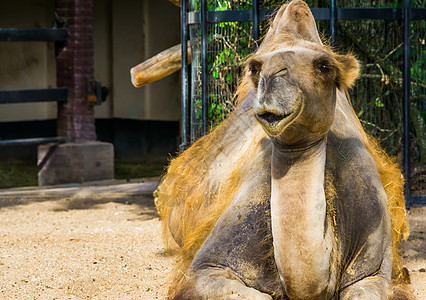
[379,103]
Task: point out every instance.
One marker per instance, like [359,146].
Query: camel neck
[302,243]
[285,157]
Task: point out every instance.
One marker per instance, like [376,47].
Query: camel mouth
[275,123]
[272,119]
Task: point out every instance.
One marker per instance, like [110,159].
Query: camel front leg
[369,288]
[236,261]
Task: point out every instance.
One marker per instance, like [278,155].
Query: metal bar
[318,13]
[321,13]
[266,14]
[333,22]
[418,201]
[220,16]
[184,72]
[33,34]
[369,14]
[379,13]
[34,141]
[241,15]
[418,13]
[204,65]
[255,16]
[34,95]
[406,103]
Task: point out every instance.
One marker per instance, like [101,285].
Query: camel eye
[324,69]
[281,72]
[253,70]
[254,67]
[324,65]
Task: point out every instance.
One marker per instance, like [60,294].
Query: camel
[288,198]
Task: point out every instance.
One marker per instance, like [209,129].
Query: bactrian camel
[288,197]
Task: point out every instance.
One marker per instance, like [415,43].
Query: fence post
[255,16]
[333,22]
[406,102]
[184,82]
[204,83]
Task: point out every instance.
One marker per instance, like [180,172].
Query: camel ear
[253,68]
[348,70]
[297,20]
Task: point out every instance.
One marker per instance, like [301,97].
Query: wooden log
[175,2]
[159,66]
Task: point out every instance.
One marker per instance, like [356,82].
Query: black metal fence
[389,40]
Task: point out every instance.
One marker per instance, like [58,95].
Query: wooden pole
[159,66]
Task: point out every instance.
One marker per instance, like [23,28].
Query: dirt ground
[104,242]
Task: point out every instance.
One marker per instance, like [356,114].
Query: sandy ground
[414,251]
[104,242]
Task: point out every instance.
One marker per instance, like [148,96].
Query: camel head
[296,77]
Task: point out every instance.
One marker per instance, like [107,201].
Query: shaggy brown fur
[202,181]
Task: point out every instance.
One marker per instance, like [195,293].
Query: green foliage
[229,43]
[391,4]
[378,95]
[128,170]
[16,174]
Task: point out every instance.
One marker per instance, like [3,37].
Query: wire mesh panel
[228,45]
[418,105]
[195,92]
[231,44]
[377,95]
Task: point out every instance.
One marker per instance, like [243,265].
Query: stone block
[75,162]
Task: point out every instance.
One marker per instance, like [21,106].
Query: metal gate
[390,42]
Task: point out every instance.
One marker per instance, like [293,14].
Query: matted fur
[202,181]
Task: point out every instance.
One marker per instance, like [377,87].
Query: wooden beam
[175,2]
[159,66]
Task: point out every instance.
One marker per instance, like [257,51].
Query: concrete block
[75,162]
